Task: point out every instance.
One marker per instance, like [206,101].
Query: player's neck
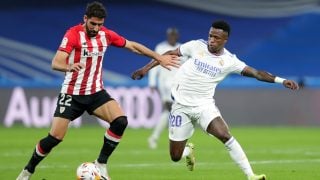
[218,52]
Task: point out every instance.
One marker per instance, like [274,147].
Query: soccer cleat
[152,143]
[103,170]
[257,177]
[190,159]
[24,175]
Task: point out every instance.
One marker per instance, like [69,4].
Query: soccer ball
[88,171]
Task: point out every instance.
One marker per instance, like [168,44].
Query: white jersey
[197,78]
[161,77]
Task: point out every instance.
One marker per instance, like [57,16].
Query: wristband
[279,80]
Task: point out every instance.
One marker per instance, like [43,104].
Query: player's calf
[112,138]
[42,149]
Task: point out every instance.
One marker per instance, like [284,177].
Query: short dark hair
[96,9]
[172,30]
[222,25]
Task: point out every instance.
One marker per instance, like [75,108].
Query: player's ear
[225,40]
[226,37]
[85,18]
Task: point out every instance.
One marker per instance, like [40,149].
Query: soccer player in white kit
[161,79]
[209,62]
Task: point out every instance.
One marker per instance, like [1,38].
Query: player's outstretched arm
[267,77]
[140,73]
[165,60]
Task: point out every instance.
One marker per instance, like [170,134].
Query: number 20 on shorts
[175,121]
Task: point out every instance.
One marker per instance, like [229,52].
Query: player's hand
[75,67]
[138,74]
[168,61]
[291,84]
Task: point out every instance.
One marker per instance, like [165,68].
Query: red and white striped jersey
[88,51]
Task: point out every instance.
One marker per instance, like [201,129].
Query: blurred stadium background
[280,36]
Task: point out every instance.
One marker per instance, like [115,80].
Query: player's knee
[224,136]
[175,156]
[118,125]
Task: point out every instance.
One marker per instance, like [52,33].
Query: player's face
[93,25]
[216,40]
[172,38]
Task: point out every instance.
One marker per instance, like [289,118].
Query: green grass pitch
[282,153]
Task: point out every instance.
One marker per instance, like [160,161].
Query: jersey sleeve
[115,39]
[186,48]
[68,42]
[238,65]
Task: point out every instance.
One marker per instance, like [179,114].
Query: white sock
[238,156]
[186,151]
[163,121]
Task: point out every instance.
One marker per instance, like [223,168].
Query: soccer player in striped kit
[80,56]
[193,90]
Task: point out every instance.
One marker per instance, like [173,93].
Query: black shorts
[73,106]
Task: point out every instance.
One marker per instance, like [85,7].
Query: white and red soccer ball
[88,171]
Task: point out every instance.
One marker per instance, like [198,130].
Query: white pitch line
[152,165]
[295,161]
[219,163]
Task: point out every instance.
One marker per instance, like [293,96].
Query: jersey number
[65,100]
[175,121]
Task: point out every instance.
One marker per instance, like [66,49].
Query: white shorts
[182,119]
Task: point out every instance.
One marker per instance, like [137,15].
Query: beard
[91,33]
[215,50]
[212,49]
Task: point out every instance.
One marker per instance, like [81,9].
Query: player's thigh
[207,113]
[59,127]
[180,125]
[109,111]
[104,106]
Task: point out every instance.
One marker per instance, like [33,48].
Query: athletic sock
[112,138]
[186,151]
[110,142]
[42,149]
[238,156]
[34,161]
